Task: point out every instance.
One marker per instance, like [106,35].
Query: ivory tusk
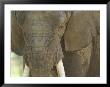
[26,71]
[60,69]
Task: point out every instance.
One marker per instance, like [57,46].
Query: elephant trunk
[42,43]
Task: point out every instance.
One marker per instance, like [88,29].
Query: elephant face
[39,40]
[42,32]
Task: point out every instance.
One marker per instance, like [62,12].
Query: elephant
[44,38]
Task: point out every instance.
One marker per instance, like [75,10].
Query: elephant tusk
[60,69]
[26,71]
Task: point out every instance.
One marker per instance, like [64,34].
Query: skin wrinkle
[76,56]
[54,44]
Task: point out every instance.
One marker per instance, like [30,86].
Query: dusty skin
[55,43]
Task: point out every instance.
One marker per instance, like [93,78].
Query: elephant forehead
[45,18]
[78,33]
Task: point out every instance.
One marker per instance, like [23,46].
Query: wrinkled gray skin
[82,44]
[43,38]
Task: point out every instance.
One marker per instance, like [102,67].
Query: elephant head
[49,36]
[42,31]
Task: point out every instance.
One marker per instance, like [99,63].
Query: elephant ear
[17,40]
[78,32]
